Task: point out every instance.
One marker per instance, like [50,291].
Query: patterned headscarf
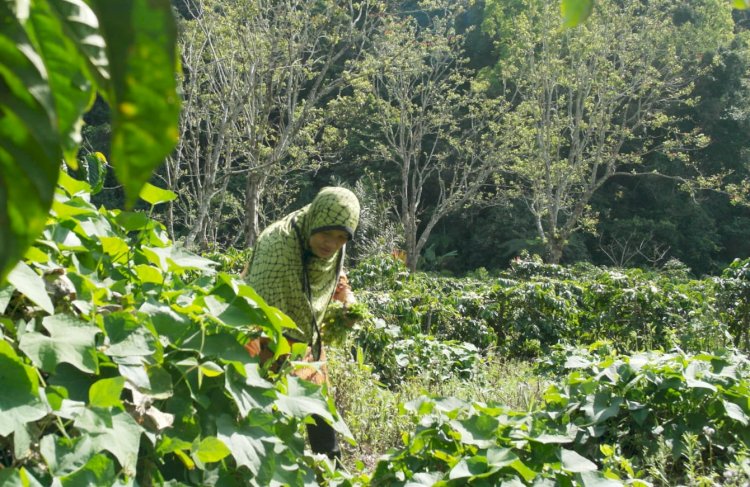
[282,257]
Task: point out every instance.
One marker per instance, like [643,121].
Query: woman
[295,267]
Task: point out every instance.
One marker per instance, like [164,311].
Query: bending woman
[295,267]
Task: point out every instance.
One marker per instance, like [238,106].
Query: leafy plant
[122,362]
[55,56]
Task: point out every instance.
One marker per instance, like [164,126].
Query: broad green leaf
[154,195]
[117,248]
[209,450]
[575,12]
[72,90]
[99,470]
[741,4]
[479,430]
[131,220]
[500,457]
[105,393]
[597,479]
[525,472]
[71,185]
[247,397]
[601,406]
[735,412]
[128,337]
[5,294]
[148,273]
[70,341]
[114,431]
[31,285]
[303,399]
[249,445]
[30,146]
[468,468]
[142,95]
[211,369]
[17,477]
[574,462]
[19,401]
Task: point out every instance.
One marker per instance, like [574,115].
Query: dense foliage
[122,363]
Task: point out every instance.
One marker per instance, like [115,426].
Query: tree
[593,101]
[54,56]
[257,75]
[427,121]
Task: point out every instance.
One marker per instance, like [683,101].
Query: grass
[372,411]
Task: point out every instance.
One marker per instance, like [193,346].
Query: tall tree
[426,120]
[257,72]
[593,101]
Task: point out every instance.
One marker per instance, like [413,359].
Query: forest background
[470,130]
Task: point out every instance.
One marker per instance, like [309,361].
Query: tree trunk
[253,189]
[554,250]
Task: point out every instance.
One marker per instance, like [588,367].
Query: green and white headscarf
[282,258]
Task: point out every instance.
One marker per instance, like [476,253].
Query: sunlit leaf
[574,462]
[70,341]
[31,285]
[114,431]
[142,95]
[210,449]
[575,11]
[30,145]
[19,401]
[106,393]
[72,90]
[99,470]
[154,195]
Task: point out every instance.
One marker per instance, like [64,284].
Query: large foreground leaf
[30,147]
[19,400]
[141,38]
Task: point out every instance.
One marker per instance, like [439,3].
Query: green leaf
[106,393]
[71,185]
[117,248]
[735,412]
[468,468]
[573,462]
[17,477]
[31,285]
[72,90]
[500,457]
[209,450]
[30,147]
[249,444]
[741,4]
[70,341]
[64,456]
[114,431]
[19,401]
[597,479]
[575,11]
[131,220]
[99,470]
[154,195]
[525,472]
[247,397]
[148,273]
[479,430]
[303,399]
[142,95]
[128,337]
[5,294]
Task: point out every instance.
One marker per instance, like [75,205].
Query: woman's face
[325,244]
